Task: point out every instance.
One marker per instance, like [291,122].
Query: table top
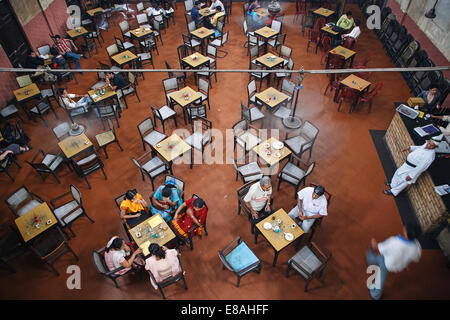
[96,97]
[261,150]
[178,96]
[172,147]
[266,32]
[329,30]
[271,97]
[27,225]
[262,12]
[141,32]
[202,33]
[27,92]
[266,61]
[206,12]
[201,60]
[277,240]
[124,57]
[74,33]
[355,82]
[324,12]
[73,145]
[93,11]
[346,53]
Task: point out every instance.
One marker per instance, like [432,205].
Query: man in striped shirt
[64,48]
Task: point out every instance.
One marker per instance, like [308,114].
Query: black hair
[57,36]
[61,91]
[357,22]
[30,52]
[412,231]
[319,190]
[199,203]
[166,191]
[130,194]
[115,244]
[54,51]
[156,250]
[197,3]
[349,13]
[218,9]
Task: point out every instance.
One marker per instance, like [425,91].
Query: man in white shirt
[258,200]
[393,255]
[416,162]
[217,3]
[356,31]
[311,205]
[66,99]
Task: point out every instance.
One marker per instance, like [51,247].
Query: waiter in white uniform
[416,162]
[312,204]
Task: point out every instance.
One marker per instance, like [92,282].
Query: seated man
[345,22]
[114,81]
[258,200]
[64,48]
[311,205]
[196,212]
[67,100]
[132,208]
[356,31]
[166,200]
[33,60]
[416,162]
[195,14]
[12,149]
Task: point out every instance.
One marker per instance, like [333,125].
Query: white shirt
[67,102]
[310,206]
[398,252]
[445,130]
[421,157]
[218,3]
[356,31]
[257,197]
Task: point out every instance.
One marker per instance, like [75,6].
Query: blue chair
[239,259]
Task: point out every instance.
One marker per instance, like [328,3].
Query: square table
[266,60]
[271,98]
[172,147]
[202,34]
[154,222]
[323,12]
[74,145]
[206,12]
[26,93]
[271,159]
[124,57]
[357,84]
[266,33]
[278,240]
[178,97]
[97,97]
[92,12]
[29,228]
[141,32]
[346,53]
[75,33]
[196,63]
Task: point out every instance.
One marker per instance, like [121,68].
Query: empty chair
[368,97]
[309,263]
[191,26]
[247,172]
[151,167]
[44,50]
[177,74]
[245,135]
[212,56]
[164,113]
[170,87]
[285,53]
[68,207]
[278,41]
[148,134]
[203,90]
[50,93]
[24,81]
[88,165]
[285,75]
[140,7]
[188,5]
[189,42]
[109,111]
[276,25]
[10,110]
[125,30]
[293,173]
[195,111]
[201,135]
[142,20]
[251,114]
[46,164]
[61,131]
[157,31]
[130,88]
[104,139]
[251,91]
[258,75]
[124,45]
[112,50]
[145,57]
[149,44]
[6,163]
[41,108]
[304,140]
[22,200]
[89,44]
[239,259]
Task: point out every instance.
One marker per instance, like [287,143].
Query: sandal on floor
[388,192]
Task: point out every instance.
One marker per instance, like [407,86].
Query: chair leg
[162,293]
[52,267]
[120,147]
[238,281]
[89,186]
[106,154]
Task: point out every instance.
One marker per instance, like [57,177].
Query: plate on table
[266,145]
[158,145]
[277,155]
[138,234]
[49,221]
[267,225]
[278,145]
[289,236]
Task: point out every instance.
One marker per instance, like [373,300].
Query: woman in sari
[133,208]
[196,212]
[165,200]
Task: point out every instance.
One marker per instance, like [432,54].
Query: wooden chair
[151,167]
[164,113]
[87,165]
[148,134]
[22,200]
[47,164]
[293,173]
[104,139]
[200,136]
[169,280]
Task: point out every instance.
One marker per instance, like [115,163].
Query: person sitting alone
[166,200]
[133,208]
[196,212]
[66,99]
[118,254]
[114,81]
[13,148]
[431,98]
[258,200]
[162,263]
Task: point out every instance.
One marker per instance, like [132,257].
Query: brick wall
[7,79]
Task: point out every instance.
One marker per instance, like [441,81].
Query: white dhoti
[305,224]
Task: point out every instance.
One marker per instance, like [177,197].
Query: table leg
[256,235]
[275,258]
[351,61]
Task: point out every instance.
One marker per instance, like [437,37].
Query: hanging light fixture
[431,14]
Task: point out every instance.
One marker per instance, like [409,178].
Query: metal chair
[179,75]
[293,173]
[248,172]
[24,81]
[285,75]
[106,112]
[309,263]
[203,90]
[258,75]
[61,130]
[151,167]
[47,165]
[171,86]
[304,140]
[6,163]
[124,45]
[149,44]
[164,113]
[157,31]
[239,259]
[201,135]
[142,20]
[251,114]
[10,110]
[125,30]
[244,137]
[169,280]
[104,139]
[22,200]
[41,108]
[68,211]
[148,134]
[88,165]
[130,88]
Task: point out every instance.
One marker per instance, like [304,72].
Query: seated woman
[431,98]
[166,200]
[120,254]
[162,263]
[12,149]
[196,212]
[132,208]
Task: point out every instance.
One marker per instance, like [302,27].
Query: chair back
[276,25]
[251,88]
[170,84]
[142,18]
[112,50]
[254,50]
[219,26]
[76,194]
[124,27]
[44,50]
[61,130]
[245,113]
[288,86]
[139,6]
[245,27]
[349,42]
[335,61]
[375,91]
[119,44]
[211,51]
[285,51]
[99,261]
[24,81]
[188,5]
[310,169]
[15,200]
[182,50]
[155,111]
[145,126]
[203,86]
[309,130]
[224,38]
[320,22]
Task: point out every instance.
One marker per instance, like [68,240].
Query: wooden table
[77,32]
[124,57]
[93,11]
[271,98]
[155,222]
[197,63]
[178,98]
[25,94]
[29,228]
[357,84]
[271,159]
[346,53]
[74,145]
[96,97]
[172,148]
[324,12]
[278,240]
[266,34]
[329,31]
[266,60]
[141,32]
[206,12]
[202,34]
